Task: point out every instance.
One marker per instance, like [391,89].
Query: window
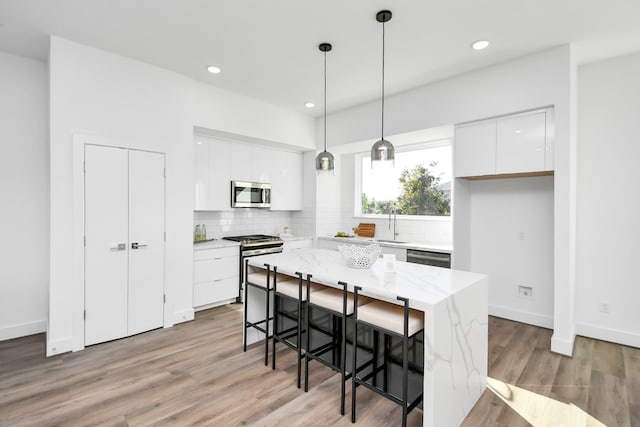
[420,183]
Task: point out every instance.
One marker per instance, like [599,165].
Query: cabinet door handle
[136,245]
[119,247]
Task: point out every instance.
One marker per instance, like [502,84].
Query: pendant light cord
[325,101]
[382,121]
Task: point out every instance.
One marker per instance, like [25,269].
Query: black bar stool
[291,290]
[392,320]
[340,304]
[259,278]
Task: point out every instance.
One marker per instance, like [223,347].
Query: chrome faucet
[392,211]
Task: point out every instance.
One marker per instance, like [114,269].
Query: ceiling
[268,49]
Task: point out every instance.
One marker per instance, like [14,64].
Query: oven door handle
[264,251]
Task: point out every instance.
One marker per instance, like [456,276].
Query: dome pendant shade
[325,163]
[382,154]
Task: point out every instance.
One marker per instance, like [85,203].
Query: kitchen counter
[292,238]
[214,244]
[455,306]
[405,245]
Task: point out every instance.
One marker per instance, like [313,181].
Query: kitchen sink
[390,241]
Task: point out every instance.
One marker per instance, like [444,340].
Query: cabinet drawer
[201,254]
[217,268]
[214,291]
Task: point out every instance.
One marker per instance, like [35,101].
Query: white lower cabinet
[215,276]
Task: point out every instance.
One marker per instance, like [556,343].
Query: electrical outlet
[603,307]
[525,291]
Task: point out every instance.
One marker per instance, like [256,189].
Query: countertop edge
[408,245]
[215,244]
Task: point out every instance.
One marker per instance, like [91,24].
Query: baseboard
[61,345]
[183,316]
[521,316]
[22,330]
[617,336]
[562,346]
[215,304]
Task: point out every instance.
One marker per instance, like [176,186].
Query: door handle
[136,245]
[119,247]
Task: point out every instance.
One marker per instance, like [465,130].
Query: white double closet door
[124,246]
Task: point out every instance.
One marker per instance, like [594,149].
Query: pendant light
[382,152]
[324,160]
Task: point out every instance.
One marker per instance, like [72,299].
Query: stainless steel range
[254,245]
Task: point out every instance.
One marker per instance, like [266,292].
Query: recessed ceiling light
[480,44]
[309,104]
[213,69]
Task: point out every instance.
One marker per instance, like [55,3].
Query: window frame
[357,202]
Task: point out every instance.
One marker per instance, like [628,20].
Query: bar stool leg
[300,325]
[246,293]
[354,359]
[308,337]
[405,365]
[266,325]
[387,352]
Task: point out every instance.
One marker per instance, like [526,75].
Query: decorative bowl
[358,256]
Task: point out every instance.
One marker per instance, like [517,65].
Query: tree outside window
[419,185]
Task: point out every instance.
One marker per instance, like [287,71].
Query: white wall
[247,118]
[24,188]
[512,241]
[144,107]
[608,230]
[534,81]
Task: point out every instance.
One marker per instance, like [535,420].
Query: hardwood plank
[608,400]
[632,380]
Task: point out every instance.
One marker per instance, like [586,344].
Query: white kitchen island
[455,306]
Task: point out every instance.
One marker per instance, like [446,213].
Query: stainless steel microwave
[250,194]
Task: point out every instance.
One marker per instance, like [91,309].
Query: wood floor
[196,374]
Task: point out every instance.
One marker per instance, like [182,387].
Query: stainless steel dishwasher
[437,259]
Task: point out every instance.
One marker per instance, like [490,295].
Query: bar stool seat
[259,278]
[390,317]
[291,289]
[332,299]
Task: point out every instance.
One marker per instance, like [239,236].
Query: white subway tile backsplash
[254,221]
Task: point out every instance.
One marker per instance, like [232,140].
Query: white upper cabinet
[516,144]
[521,143]
[218,162]
[475,149]
[286,181]
[202,177]
[211,174]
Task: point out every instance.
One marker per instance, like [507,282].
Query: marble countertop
[424,285]
[214,244]
[406,245]
[292,238]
